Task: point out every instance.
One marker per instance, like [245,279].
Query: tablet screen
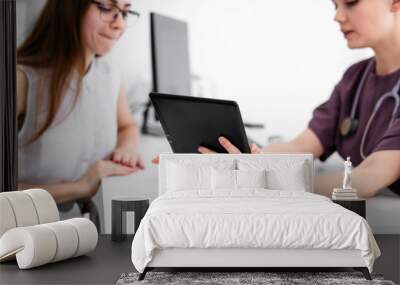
[190,122]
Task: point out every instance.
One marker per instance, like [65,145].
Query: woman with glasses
[75,126]
[361,119]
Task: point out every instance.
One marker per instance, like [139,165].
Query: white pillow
[251,178]
[237,179]
[182,177]
[290,179]
[223,179]
[281,174]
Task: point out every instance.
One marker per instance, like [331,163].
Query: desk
[143,183]
[140,184]
[102,266]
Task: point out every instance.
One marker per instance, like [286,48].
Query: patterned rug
[269,278]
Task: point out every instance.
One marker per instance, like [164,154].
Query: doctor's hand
[156,160]
[89,182]
[128,156]
[230,148]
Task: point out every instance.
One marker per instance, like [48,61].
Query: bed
[247,211]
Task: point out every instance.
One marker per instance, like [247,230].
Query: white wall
[27,12]
[278,59]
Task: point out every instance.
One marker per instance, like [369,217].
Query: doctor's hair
[54,47]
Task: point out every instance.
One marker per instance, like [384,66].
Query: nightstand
[356,205]
[121,205]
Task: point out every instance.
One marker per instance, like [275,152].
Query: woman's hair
[55,47]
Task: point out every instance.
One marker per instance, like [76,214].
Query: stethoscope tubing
[394,93]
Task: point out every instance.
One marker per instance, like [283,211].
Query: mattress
[252,219]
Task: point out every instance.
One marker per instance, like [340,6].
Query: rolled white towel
[46,207]
[7,218]
[23,208]
[33,246]
[26,208]
[37,245]
[67,240]
[87,235]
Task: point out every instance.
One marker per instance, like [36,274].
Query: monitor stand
[154,129]
[151,127]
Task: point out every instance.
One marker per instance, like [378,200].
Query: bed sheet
[250,218]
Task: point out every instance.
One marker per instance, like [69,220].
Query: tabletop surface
[349,200]
[102,266]
[130,199]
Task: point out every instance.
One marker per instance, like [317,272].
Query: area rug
[269,278]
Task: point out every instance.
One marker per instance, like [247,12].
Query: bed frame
[260,259]
[245,259]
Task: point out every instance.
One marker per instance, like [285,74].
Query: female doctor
[361,119]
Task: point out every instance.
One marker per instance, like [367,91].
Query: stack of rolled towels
[344,194]
[31,231]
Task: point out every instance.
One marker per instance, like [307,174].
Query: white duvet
[250,219]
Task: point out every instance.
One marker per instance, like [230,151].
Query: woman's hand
[230,148]
[90,180]
[127,156]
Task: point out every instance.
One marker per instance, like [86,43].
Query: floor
[110,260]
[389,262]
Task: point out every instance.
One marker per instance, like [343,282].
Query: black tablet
[190,122]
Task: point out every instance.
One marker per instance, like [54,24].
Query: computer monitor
[170,55]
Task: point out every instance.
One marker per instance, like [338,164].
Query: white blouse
[79,136]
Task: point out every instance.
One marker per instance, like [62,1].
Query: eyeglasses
[109,13]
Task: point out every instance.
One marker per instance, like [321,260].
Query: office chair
[87,208]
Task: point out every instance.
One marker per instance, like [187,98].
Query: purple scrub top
[328,116]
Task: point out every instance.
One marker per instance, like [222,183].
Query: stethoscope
[349,125]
